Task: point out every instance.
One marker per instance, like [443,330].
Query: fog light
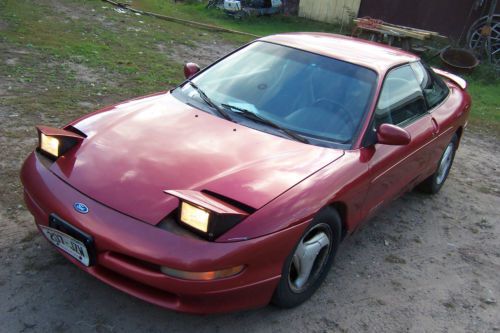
[202,276]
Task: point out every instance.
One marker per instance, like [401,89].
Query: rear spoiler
[452,77]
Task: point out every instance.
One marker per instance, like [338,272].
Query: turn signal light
[203,276]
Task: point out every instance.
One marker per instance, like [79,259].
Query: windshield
[317,97]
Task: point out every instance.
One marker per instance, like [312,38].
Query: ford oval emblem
[81,208]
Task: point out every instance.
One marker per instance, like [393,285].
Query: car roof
[365,53]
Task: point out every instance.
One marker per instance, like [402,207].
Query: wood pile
[368,23]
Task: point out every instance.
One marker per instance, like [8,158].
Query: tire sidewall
[283,295]
[435,185]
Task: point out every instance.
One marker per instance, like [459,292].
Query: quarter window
[401,99]
[435,90]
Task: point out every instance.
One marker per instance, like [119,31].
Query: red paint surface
[119,237]
[136,150]
[373,55]
[392,135]
[190,69]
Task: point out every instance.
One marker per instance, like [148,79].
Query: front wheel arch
[341,209]
[284,296]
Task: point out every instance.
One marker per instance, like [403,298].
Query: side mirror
[190,69]
[389,134]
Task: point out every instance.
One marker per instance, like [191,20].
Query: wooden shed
[449,17]
[332,11]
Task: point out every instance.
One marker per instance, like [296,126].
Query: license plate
[68,244]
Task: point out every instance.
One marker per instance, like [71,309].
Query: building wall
[448,17]
[332,11]
[291,7]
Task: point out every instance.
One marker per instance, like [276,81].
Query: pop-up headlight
[195,217]
[54,142]
[49,144]
[205,214]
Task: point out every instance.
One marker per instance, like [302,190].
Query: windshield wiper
[209,102]
[255,117]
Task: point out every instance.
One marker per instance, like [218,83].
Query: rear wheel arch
[434,182]
[458,133]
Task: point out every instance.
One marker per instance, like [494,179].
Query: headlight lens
[49,144]
[195,217]
[206,215]
[55,142]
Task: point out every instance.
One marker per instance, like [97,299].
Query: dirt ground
[426,264]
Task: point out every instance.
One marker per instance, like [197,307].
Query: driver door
[395,169]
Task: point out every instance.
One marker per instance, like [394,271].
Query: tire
[433,184]
[293,289]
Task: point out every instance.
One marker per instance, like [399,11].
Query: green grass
[41,43]
[484,87]
[127,48]
[126,51]
[485,105]
[260,26]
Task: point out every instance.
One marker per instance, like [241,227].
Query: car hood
[135,150]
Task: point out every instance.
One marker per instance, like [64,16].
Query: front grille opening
[148,293]
[135,262]
[170,224]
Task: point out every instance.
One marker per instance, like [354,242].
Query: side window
[435,90]
[401,99]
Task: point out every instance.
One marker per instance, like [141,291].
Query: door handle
[435,127]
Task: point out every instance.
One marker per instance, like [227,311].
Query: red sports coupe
[235,188]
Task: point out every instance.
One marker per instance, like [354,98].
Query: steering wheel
[338,109]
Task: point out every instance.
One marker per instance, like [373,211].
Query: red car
[235,189]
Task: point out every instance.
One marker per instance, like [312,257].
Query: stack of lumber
[369,23]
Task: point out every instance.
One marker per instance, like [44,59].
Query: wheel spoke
[305,256]
[444,164]
[487,44]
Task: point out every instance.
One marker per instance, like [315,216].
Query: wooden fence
[332,11]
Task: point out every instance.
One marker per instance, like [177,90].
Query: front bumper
[129,252]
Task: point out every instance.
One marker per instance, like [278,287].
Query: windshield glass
[318,97]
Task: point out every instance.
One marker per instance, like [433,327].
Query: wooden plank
[415,30]
[392,28]
[382,31]
[405,32]
[332,11]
